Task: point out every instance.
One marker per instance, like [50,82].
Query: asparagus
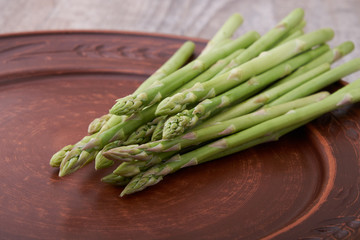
[56,159]
[213,70]
[148,151]
[116,180]
[180,122]
[178,59]
[136,102]
[73,159]
[202,154]
[225,32]
[143,133]
[292,36]
[320,82]
[298,27]
[158,131]
[268,40]
[236,76]
[330,56]
[130,169]
[98,123]
[134,166]
[102,162]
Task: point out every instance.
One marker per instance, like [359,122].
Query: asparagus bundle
[113,127]
[236,94]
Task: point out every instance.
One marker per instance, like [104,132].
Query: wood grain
[180,17]
[305,186]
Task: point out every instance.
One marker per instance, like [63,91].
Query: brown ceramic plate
[52,84]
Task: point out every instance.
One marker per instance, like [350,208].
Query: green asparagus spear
[71,162]
[212,71]
[116,180]
[290,37]
[320,82]
[225,32]
[330,56]
[158,131]
[102,162]
[56,159]
[178,59]
[202,154]
[298,27]
[98,123]
[143,133]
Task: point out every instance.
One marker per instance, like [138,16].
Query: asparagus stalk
[236,76]
[186,119]
[98,123]
[132,168]
[143,133]
[158,131]
[268,40]
[265,97]
[72,161]
[213,70]
[116,180]
[298,27]
[320,82]
[178,59]
[292,36]
[200,155]
[102,162]
[225,32]
[136,102]
[147,152]
[56,159]
[330,56]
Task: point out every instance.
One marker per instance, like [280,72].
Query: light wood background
[194,18]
